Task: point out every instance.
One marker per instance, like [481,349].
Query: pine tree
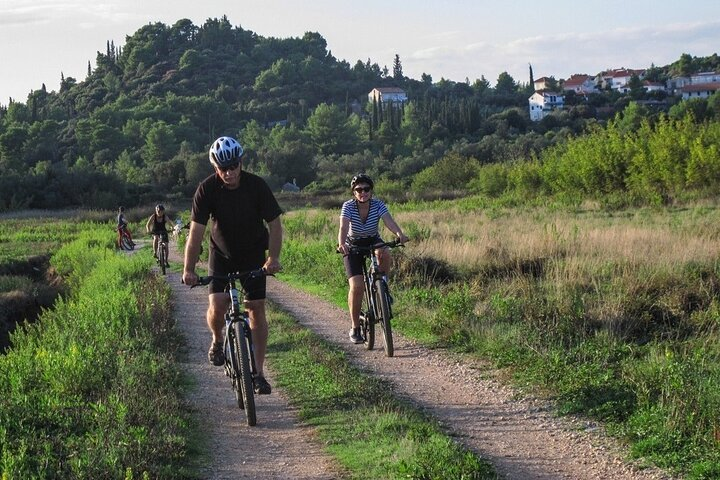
[397,68]
[532,80]
[89,72]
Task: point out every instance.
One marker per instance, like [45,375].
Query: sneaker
[262,387]
[216,354]
[355,335]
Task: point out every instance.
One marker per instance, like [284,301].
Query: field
[613,314]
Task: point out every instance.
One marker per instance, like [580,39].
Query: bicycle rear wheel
[382,302]
[244,374]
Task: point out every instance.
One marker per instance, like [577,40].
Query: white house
[653,86]
[705,77]
[699,91]
[543,102]
[542,83]
[621,78]
[388,94]
[580,83]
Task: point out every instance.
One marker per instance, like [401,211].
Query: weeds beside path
[522,438]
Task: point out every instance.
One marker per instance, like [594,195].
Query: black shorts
[163,234]
[219,265]
[354,262]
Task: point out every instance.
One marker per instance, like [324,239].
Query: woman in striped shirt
[359,225]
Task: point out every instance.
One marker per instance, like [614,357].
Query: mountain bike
[124,239]
[237,343]
[377,302]
[161,253]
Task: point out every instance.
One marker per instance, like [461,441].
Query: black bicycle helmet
[160,207]
[361,178]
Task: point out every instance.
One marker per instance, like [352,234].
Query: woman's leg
[355,296]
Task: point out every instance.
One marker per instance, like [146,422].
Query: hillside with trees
[138,126]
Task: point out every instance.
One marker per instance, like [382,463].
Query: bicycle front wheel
[125,243]
[162,258]
[367,324]
[244,375]
[382,302]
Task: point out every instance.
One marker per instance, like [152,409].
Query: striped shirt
[368,228]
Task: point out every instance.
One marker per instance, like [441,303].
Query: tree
[505,84]
[330,131]
[397,68]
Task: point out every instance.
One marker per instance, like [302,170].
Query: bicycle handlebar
[357,249]
[260,272]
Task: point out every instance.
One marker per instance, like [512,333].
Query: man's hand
[272,265]
[189,278]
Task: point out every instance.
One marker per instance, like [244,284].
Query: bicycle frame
[376,312]
[237,344]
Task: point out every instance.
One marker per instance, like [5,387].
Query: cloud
[25,13]
[563,54]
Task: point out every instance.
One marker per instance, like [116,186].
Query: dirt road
[522,438]
[278,447]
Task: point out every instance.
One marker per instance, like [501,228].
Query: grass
[90,389]
[582,304]
[370,433]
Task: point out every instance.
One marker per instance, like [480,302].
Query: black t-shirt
[237,214]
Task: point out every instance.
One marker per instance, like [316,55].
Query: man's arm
[192,252]
[147,225]
[272,264]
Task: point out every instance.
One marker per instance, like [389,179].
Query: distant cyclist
[359,226]
[122,226]
[157,226]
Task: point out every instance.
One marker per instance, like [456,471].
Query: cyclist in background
[156,225]
[122,226]
[241,205]
[359,221]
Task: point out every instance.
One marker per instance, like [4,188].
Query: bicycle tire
[162,258]
[382,302]
[125,243]
[245,374]
[232,367]
[367,323]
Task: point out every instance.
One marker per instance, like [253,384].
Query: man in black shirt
[240,205]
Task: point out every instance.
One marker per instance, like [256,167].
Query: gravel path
[278,447]
[522,438]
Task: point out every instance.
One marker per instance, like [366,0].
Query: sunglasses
[229,168]
[362,189]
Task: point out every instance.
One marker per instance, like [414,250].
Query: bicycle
[161,252]
[377,302]
[237,343]
[124,239]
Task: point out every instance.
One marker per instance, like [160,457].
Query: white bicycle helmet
[225,151]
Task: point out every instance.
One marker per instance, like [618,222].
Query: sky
[451,39]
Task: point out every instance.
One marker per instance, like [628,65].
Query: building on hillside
[621,78]
[653,86]
[703,90]
[580,83]
[705,77]
[677,84]
[618,78]
[388,95]
[542,83]
[543,102]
